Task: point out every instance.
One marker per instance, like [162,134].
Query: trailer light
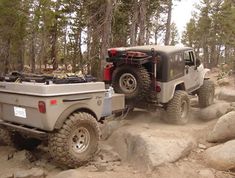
[112,52]
[158,89]
[53,102]
[42,107]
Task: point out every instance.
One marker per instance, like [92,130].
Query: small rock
[223,129]
[72,173]
[201,146]
[107,154]
[8,176]
[227,95]
[199,150]
[135,172]
[32,173]
[223,82]
[206,173]
[233,106]
[221,157]
[146,126]
[101,167]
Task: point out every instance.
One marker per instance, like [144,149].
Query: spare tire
[133,81]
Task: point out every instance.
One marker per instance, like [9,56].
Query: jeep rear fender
[178,86]
[203,71]
[168,89]
[74,108]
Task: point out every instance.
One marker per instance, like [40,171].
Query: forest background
[44,34]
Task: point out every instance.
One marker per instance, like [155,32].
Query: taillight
[42,107]
[158,89]
[112,52]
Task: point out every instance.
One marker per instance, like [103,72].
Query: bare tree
[168,23]
[142,22]
[133,27]
[106,33]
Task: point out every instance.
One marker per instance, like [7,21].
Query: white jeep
[152,76]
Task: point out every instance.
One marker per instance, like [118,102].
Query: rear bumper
[30,132]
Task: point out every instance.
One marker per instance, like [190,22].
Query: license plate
[20,112]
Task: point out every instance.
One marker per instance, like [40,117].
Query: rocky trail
[143,146]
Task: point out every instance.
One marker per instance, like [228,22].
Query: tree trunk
[88,55]
[32,53]
[20,59]
[206,56]
[80,56]
[142,22]
[133,28]
[53,46]
[106,34]
[168,24]
[148,32]
[6,56]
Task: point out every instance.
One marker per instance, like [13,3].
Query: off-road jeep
[152,76]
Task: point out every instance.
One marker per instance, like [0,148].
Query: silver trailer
[65,114]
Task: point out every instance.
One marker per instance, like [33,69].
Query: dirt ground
[193,165]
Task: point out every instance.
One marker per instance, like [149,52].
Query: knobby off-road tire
[5,137]
[178,109]
[76,142]
[133,81]
[206,94]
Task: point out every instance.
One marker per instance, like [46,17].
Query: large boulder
[146,149]
[221,157]
[214,111]
[224,129]
[227,95]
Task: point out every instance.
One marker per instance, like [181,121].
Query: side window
[176,66]
[189,58]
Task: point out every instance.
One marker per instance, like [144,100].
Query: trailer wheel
[6,137]
[133,81]
[206,94]
[178,108]
[76,142]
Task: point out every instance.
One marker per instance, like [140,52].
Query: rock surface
[227,95]
[214,111]
[221,157]
[206,173]
[223,129]
[72,173]
[109,127]
[32,173]
[147,149]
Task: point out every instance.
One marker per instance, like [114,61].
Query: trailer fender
[74,108]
